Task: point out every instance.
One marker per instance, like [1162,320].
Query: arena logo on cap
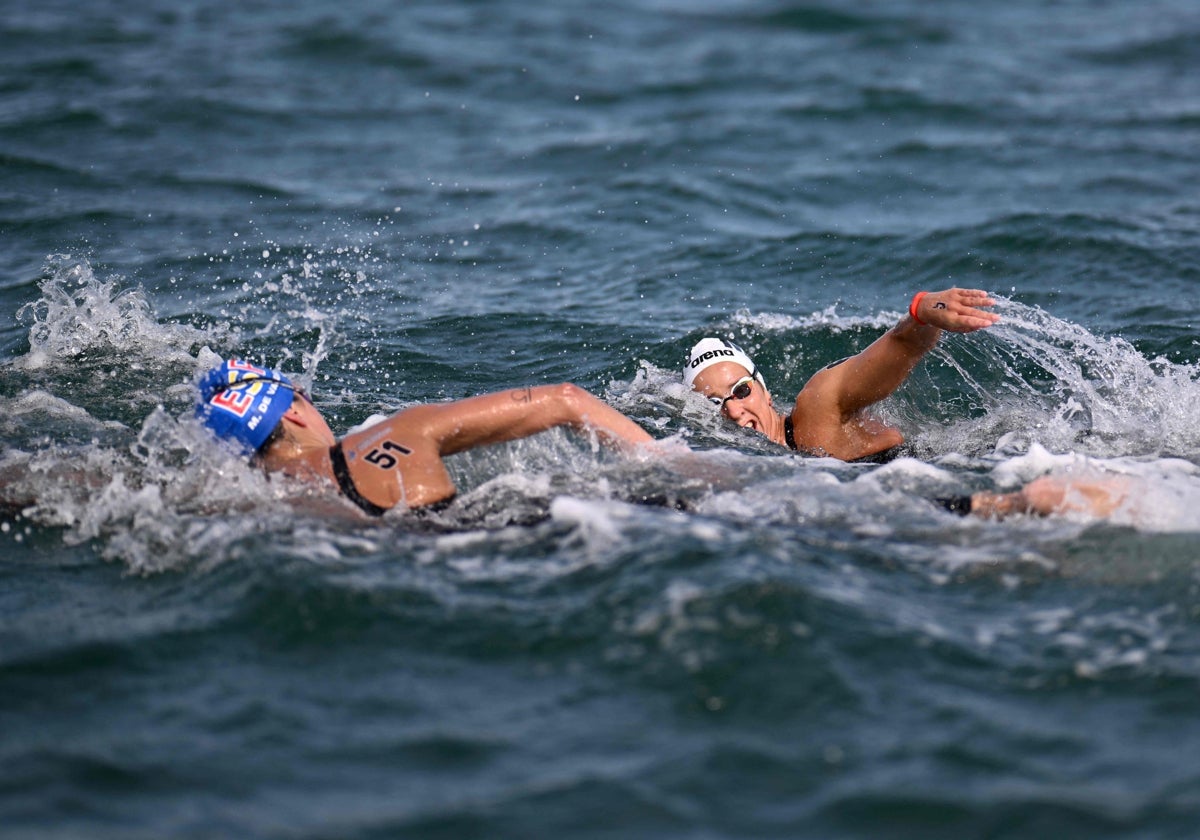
[712,354]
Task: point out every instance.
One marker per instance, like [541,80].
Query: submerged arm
[12,500]
[1053,494]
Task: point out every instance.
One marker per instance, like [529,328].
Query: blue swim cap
[243,402]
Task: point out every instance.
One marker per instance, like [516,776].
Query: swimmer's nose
[736,412]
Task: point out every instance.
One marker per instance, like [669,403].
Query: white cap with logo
[711,351]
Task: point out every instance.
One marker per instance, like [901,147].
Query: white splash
[79,315]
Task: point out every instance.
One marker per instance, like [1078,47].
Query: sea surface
[408,202]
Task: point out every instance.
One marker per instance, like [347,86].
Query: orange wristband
[912,307]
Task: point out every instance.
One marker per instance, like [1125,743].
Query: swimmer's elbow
[578,407]
[571,399]
[572,394]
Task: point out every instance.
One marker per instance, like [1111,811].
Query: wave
[326,42]
[1177,50]
[80,317]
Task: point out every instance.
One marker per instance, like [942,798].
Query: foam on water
[169,499]
[80,316]
[1087,393]
[773,322]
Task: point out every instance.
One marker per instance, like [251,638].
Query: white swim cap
[711,351]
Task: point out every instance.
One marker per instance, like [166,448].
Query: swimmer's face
[302,427]
[743,399]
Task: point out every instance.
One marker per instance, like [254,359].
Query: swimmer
[829,417]
[398,462]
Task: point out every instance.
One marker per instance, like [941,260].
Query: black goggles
[265,380]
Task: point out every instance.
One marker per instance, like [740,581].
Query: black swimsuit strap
[788,434]
[884,457]
[342,473]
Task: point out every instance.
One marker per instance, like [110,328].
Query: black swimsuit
[342,473]
[884,457]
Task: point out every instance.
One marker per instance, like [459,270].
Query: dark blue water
[410,202]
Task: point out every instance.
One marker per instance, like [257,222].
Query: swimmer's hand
[957,310]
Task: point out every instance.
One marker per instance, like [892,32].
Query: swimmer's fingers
[957,310]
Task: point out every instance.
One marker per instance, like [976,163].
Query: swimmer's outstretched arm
[876,372]
[518,413]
